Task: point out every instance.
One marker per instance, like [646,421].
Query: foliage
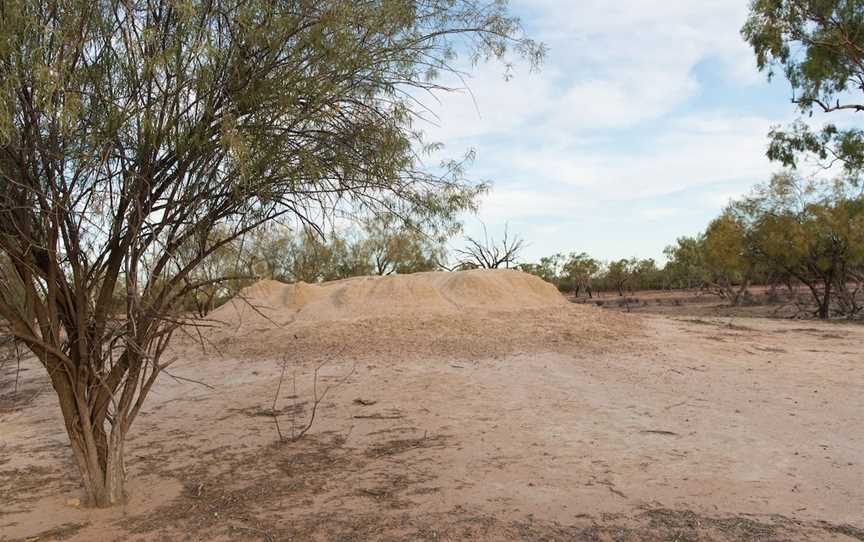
[218,276]
[392,246]
[814,232]
[728,263]
[619,273]
[818,44]
[132,131]
[570,273]
[312,258]
[581,270]
[549,269]
[381,246]
[685,266]
[790,230]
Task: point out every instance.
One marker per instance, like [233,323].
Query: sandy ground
[796,304]
[567,424]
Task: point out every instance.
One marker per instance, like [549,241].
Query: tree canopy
[789,230]
[819,45]
[133,133]
[812,231]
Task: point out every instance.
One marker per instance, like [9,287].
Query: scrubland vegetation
[158,158]
[141,138]
[787,233]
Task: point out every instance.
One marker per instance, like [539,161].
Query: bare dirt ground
[797,304]
[560,423]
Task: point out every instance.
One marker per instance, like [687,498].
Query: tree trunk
[101,464]
[825,304]
[739,293]
[99,455]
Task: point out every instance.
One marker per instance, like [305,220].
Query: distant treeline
[382,245]
[789,232]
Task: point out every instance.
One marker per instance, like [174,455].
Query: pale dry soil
[643,428]
[796,304]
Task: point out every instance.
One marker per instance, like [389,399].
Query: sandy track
[672,428]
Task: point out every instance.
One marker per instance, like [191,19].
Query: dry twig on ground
[316,400]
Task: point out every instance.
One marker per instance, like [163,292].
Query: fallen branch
[659,432]
[316,400]
[190,380]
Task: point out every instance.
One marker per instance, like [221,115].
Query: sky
[646,117]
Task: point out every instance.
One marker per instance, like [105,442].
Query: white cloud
[664,34]
[692,151]
[609,66]
[720,198]
[507,204]
[613,120]
[620,102]
[487,104]
[659,213]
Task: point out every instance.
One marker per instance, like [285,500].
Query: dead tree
[486,253]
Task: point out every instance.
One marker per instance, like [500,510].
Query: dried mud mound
[480,313]
[416,296]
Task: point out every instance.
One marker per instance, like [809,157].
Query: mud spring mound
[479,313]
[417,295]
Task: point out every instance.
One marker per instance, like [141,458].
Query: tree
[129,129]
[818,44]
[570,273]
[685,267]
[265,249]
[727,258]
[549,269]
[646,275]
[812,232]
[220,275]
[581,269]
[486,253]
[620,272]
[392,246]
[313,257]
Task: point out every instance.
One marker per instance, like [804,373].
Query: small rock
[73,503]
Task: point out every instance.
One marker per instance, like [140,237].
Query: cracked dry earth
[568,424]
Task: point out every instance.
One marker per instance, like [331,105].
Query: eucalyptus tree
[581,269]
[619,274]
[810,231]
[130,129]
[312,257]
[819,46]
[549,269]
[729,265]
[685,266]
[389,245]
